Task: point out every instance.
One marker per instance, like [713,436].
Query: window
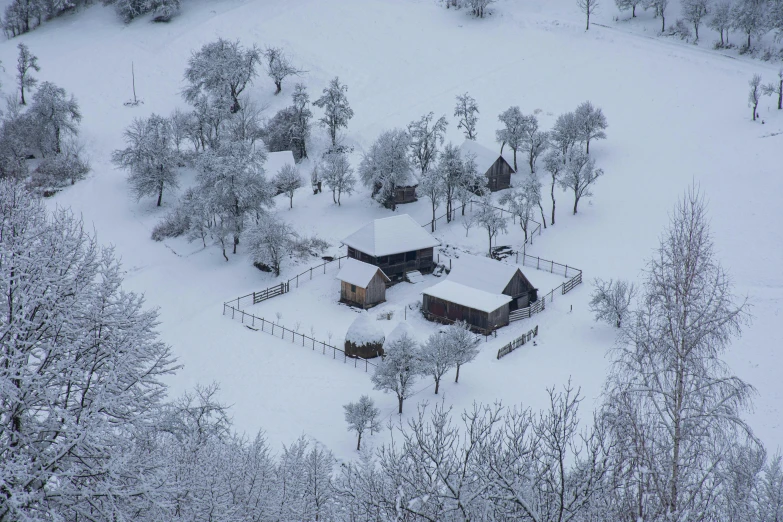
[410,256]
[353,288]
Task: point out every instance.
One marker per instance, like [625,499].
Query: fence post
[243,317]
[552,267]
[237,302]
[325,267]
[566,273]
[311,273]
[538,263]
[224,308]
[232,312]
[297,280]
[273,327]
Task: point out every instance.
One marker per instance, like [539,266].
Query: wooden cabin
[396,245]
[361,284]
[492,164]
[403,193]
[495,277]
[448,301]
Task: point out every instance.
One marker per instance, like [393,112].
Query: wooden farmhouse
[362,285]
[396,245]
[495,277]
[403,193]
[451,301]
[494,166]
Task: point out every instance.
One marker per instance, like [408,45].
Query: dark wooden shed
[492,164]
[495,277]
[396,245]
[361,284]
[448,301]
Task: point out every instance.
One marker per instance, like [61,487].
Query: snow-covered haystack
[401,329]
[364,338]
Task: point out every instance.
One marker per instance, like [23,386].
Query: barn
[405,192]
[495,277]
[452,301]
[362,285]
[493,165]
[396,245]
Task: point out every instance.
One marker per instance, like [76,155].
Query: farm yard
[239,252]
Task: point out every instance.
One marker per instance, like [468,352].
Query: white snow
[364,330]
[402,328]
[391,235]
[484,157]
[275,161]
[359,273]
[467,296]
[482,273]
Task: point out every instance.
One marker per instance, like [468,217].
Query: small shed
[396,245]
[492,164]
[452,301]
[364,338]
[362,284]
[495,277]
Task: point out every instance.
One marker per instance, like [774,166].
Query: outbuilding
[489,163]
[396,245]
[448,301]
[495,277]
[362,284]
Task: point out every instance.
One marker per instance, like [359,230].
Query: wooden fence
[259,324]
[519,341]
[551,267]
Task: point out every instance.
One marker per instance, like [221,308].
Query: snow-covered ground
[677,115]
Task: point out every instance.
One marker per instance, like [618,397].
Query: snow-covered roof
[411,179]
[364,331]
[355,272]
[391,235]
[467,296]
[482,273]
[401,329]
[484,157]
[275,161]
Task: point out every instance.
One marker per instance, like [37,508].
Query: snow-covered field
[677,115]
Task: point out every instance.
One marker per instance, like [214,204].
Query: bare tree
[490,220]
[554,164]
[660,10]
[721,19]
[514,132]
[338,175]
[754,95]
[287,181]
[362,416]
[24,63]
[579,175]
[426,135]
[398,369]
[591,124]
[624,5]
[466,111]
[588,7]
[432,186]
[279,67]
[337,111]
[464,344]
[436,358]
[776,88]
[611,300]
[694,12]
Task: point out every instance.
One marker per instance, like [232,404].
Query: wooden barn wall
[376,290]
[396,265]
[499,175]
[455,312]
[355,297]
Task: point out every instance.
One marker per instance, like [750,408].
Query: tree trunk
[433,217]
[588,145]
[224,253]
[541,208]
[748,40]
[552,222]
[334,195]
[696,29]
[663,22]
[21,87]
[437,385]
[399,400]
[160,193]
[588,18]
[57,140]
[754,111]
[501,147]
[515,159]
[576,202]
[490,242]
[633,11]
[278,87]
[291,200]
[457,379]
[235,106]
[780,95]
[359,442]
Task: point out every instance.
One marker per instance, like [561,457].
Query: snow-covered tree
[472,183]
[270,241]
[232,180]
[491,220]
[287,181]
[611,300]
[387,166]
[676,410]
[660,10]
[579,175]
[775,88]
[55,115]
[245,124]
[694,11]
[82,370]
[588,7]
[535,141]
[754,94]
[751,17]
[770,490]
[362,416]
[337,174]
[300,130]
[425,136]
[24,64]
[513,132]
[432,186]
[279,67]
[566,133]
[436,358]
[721,19]
[463,344]
[399,368]
[477,7]
[624,5]
[591,123]
[450,171]
[337,111]
[66,168]
[466,111]
[222,70]
[520,205]
[151,157]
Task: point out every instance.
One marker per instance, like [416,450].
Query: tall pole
[133,75]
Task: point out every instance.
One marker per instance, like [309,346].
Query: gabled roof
[484,157]
[467,296]
[391,235]
[276,161]
[482,273]
[355,272]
